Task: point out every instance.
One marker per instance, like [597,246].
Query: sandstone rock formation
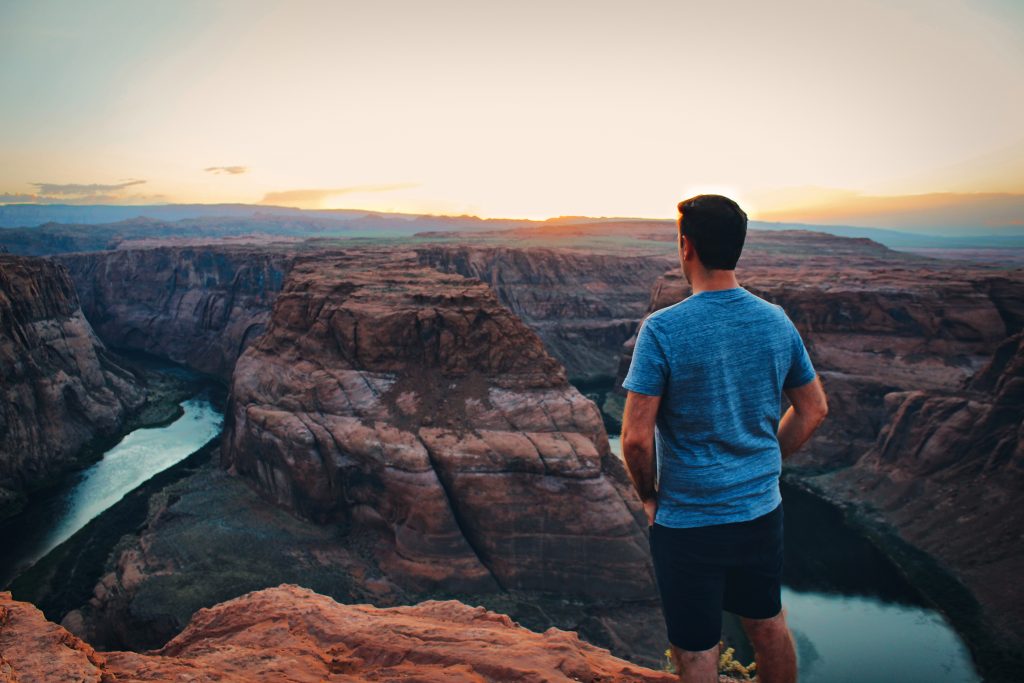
[410,407]
[197,306]
[582,305]
[872,328]
[402,407]
[947,471]
[289,633]
[922,364]
[210,537]
[61,389]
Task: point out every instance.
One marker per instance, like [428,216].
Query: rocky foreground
[290,633]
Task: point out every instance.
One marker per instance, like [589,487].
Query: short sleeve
[801,370]
[648,371]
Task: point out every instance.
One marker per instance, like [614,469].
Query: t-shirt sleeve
[648,371]
[801,370]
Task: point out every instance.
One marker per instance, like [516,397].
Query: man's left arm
[638,420]
[645,382]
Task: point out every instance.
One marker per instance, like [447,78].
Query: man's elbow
[633,442]
[810,402]
[819,411]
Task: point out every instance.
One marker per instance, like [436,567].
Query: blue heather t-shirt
[719,360]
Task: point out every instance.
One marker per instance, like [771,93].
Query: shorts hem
[701,649]
[747,616]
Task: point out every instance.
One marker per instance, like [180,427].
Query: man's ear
[687,248]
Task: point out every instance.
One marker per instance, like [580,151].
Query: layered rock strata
[289,633]
[582,305]
[197,306]
[876,329]
[210,537]
[924,368]
[61,389]
[410,407]
[947,471]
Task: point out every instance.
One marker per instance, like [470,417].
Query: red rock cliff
[947,471]
[873,328]
[61,390]
[582,305]
[289,633]
[194,305]
[410,406]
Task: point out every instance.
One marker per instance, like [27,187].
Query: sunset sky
[859,112]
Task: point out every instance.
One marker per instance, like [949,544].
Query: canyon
[947,470]
[583,305]
[401,424]
[195,306]
[380,382]
[63,393]
[923,369]
[403,408]
[873,327]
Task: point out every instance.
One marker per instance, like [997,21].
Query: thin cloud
[315,196]
[82,190]
[232,170]
[23,198]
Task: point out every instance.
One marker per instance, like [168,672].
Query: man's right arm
[808,410]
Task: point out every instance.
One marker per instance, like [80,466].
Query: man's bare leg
[696,667]
[773,648]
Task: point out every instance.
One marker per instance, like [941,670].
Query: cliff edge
[290,633]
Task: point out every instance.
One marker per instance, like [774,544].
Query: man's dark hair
[717,226]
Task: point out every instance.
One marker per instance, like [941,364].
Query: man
[704,445]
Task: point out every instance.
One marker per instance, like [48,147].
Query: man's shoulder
[664,320]
[674,311]
[655,316]
[771,309]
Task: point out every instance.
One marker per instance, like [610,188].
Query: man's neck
[711,280]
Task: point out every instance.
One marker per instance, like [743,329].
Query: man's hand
[651,508]
[638,420]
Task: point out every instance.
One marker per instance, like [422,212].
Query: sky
[863,112]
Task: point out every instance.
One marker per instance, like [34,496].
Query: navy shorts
[703,570]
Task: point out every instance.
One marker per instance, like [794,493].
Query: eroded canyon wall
[924,368]
[61,390]
[198,306]
[876,329]
[947,470]
[583,305]
[408,404]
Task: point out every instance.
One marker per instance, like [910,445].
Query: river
[52,518]
[853,616]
